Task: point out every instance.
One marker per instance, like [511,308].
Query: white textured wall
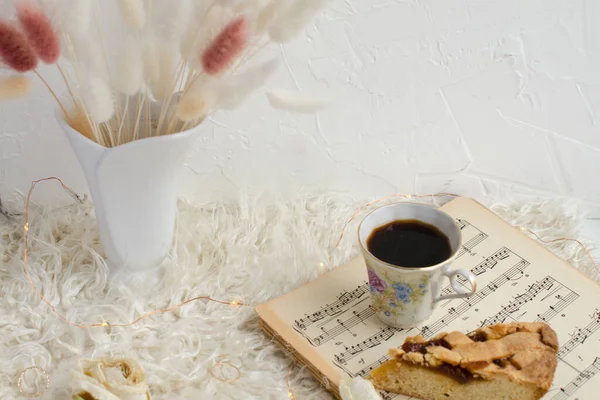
[429,95]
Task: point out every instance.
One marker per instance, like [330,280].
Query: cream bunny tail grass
[196,104]
[14,86]
[133,13]
[294,19]
[78,119]
[150,60]
[98,99]
[168,61]
[269,13]
[294,101]
[177,16]
[76,17]
[129,73]
[234,91]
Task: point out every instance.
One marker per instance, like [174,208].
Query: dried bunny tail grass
[15,50]
[268,13]
[177,17]
[76,17]
[168,62]
[40,32]
[14,86]
[209,21]
[150,60]
[196,104]
[234,90]
[226,46]
[98,99]
[129,71]
[294,19]
[248,6]
[294,101]
[133,13]
[79,121]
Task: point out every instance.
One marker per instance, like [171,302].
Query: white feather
[129,72]
[234,90]
[98,99]
[133,13]
[294,19]
[294,101]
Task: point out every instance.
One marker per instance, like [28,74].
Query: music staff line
[580,336]
[380,337]
[532,292]
[455,312]
[333,309]
[488,264]
[580,380]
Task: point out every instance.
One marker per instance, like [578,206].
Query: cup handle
[461,291]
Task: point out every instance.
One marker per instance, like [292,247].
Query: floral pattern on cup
[391,297]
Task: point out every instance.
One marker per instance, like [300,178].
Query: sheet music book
[330,327]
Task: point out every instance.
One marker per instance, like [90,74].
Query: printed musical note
[342,326]
[470,244]
[366,370]
[332,309]
[382,336]
[580,336]
[463,307]
[532,293]
[491,261]
[580,380]
[513,285]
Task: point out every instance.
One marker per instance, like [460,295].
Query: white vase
[134,191]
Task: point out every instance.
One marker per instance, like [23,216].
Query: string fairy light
[37,393]
[290,392]
[222,364]
[236,302]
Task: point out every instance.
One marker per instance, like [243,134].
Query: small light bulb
[291,395]
[523,228]
[409,196]
[234,303]
[26,227]
[104,323]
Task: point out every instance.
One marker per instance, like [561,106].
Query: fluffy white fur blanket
[252,251]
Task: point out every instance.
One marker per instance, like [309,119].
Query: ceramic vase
[134,192]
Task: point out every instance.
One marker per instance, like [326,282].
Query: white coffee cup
[403,297]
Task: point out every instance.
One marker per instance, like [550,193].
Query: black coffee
[409,243]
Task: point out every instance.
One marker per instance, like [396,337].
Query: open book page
[330,323]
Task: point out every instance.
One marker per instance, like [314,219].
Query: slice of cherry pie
[505,361]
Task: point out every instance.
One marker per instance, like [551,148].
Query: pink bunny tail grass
[226,46]
[15,50]
[40,32]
